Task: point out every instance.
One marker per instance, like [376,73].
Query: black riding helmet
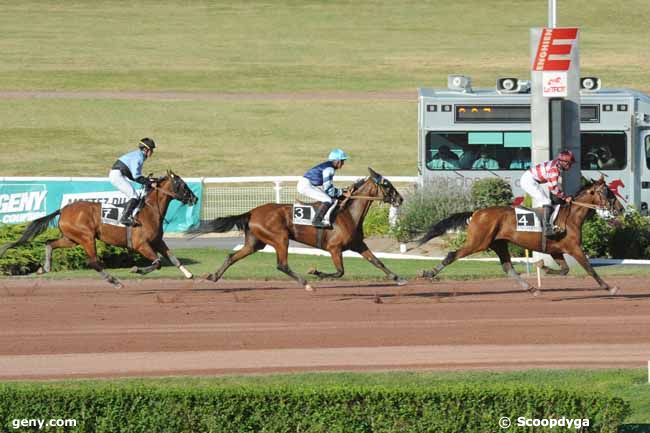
[147,143]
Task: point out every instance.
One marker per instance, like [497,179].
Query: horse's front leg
[337,259]
[147,251]
[163,249]
[363,249]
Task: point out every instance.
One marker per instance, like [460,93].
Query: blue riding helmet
[337,155]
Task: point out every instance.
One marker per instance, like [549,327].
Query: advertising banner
[23,199]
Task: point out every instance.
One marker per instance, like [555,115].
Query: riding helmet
[147,143]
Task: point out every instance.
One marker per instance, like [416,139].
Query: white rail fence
[224,196]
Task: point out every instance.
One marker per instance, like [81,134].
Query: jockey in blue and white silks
[129,167]
[318,183]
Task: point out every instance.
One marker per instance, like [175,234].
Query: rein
[589,205]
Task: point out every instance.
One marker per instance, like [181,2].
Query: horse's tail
[37,227]
[221,225]
[457,220]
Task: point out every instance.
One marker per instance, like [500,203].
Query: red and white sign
[554,84]
[554,49]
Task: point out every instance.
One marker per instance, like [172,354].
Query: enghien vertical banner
[26,200]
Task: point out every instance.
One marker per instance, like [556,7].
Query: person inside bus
[605,159]
[485,162]
[444,159]
[470,154]
[521,161]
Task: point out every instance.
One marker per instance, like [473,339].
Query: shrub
[376,222]
[596,233]
[427,206]
[27,258]
[630,238]
[492,191]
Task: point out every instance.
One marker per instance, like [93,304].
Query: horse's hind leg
[52,245]
[477,240]
[501,248]
[282,252]
[251,244]
[91,250]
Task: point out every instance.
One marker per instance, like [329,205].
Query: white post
[277,191]
[552,14]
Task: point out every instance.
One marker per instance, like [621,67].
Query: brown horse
[81,223]
[272,224]
[494,227]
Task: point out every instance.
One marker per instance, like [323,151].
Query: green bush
[425,207]
[28,258]
[376,222]
[596,234]
[630,238]
[143,408]
[491,191]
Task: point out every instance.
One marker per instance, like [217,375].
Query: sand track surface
[85,328]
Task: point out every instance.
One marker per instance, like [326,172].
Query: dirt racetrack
[84,328]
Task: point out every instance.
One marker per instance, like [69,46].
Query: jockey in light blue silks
[129,167]
[317,183]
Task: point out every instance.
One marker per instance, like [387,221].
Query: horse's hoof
[613,290]
[309,288]
[401,281]
[312,271]
[534,291]
[425,274]
[40,271]
[189,277]
[134,270]
[118,285]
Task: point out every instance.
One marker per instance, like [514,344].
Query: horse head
[176,187]
[598,193]
[388,191]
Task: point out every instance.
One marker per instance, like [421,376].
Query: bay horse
[494,227]
[272,224]
[81,224]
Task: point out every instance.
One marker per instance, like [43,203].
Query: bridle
[609,208]
[386,198]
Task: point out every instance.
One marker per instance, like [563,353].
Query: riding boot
[549,229]
[127,218]
[318,218]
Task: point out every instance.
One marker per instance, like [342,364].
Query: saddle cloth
[304,213]
[530,220]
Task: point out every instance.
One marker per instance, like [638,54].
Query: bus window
[490,150]
[603,150]
[647,150]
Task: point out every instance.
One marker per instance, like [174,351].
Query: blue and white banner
[25,199]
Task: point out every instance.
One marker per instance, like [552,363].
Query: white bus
[466,134]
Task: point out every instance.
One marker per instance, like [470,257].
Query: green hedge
[306,408]
[28,258]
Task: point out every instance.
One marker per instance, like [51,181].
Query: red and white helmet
[566,156]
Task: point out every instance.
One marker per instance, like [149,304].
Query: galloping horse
[272,224]
[494,227]
[81,223]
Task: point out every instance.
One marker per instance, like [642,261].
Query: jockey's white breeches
[539,192]
[120,182]
[305,187]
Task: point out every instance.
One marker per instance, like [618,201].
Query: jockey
[129,167]
[321,176]
[548,172]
